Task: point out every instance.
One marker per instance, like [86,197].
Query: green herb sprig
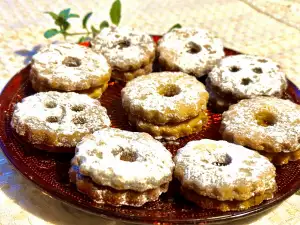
[63,24]
[61,20]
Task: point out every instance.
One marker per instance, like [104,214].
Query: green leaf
[50,33]
[103,24]
[64,13]
[60,21]
[85,19]
[82,39]
[177,25]
[94,31]
[53,15]
[65,25]
[115,12]
[73,16]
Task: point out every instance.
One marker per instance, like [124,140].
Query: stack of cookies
[242,77]
[69,67]
[130,53]
[119,167]
[189,50]
[166,105]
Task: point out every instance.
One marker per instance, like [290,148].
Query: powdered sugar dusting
[60,115]
[248,76]
[195,167]
[124,47]
[283,135]
[99,157]
[48,64]
[175,48]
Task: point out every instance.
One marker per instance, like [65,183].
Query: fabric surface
[269,28]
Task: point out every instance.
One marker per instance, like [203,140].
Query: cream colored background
[263,27]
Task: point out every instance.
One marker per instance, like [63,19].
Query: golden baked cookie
[165,97]
[68,67]
[58,119]
[242,77]
[107,195]
[130,53]
[171,131]
[124,160]
[211,171]
[265,124]
[193,51]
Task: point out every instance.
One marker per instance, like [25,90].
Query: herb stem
[80,33]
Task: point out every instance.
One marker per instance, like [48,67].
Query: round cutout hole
[257,70]
[77,108]
[193,48]
[169,90]
[234,69]
[50,104]
[222,160]
[70,61]
[124,44]
[128,156]
[246,81]
[52,119]
[265,119]
[79,120]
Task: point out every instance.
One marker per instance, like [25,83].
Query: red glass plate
[49,170]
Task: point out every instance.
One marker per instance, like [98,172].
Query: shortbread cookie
[68,67]
[265,124]
[124,160]
[193,51]
[244,76]
[107,195]
[171,131]
[217,171]
[166,97]
[126,50]
[58,119]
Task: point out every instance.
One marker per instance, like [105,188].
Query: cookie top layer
[124,48]
[246,76]
[124,160]
[58,119]
[193,51]
[263,123]
[69,67]
[164,97]
[223,171]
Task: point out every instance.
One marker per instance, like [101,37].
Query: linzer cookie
[58,119]
[268,125]
[241,77]
[166,105]
[224,176]
[130,53]
[70,67]
[193,51]
[120,167]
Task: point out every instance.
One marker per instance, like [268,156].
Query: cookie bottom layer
[235,205]
[107,195]
[171,131]
[130,75]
